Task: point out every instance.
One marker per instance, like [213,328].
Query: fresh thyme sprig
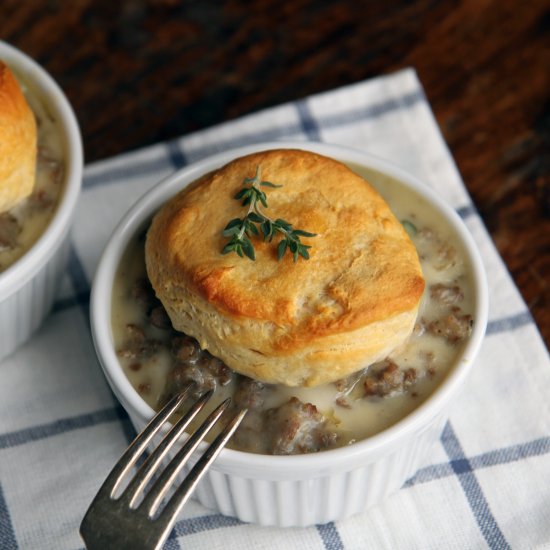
[255,222]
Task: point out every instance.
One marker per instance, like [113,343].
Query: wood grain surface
[141,71]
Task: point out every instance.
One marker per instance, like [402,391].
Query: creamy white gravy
[21,226]
[355,414]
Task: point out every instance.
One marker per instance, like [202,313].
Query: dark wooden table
[141,71]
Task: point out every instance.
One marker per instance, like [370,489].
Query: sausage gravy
[159,361]
[21,226]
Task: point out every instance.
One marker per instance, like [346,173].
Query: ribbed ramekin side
[321,499]
[22,313]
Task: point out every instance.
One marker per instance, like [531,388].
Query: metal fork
[134,518]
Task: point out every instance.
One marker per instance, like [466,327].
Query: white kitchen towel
[486,484]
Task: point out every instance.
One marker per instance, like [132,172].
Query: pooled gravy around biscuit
[22,225]
[159,361]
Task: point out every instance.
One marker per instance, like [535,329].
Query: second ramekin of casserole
[34,232]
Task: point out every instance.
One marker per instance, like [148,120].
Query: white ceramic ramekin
[319,487]
[27,288]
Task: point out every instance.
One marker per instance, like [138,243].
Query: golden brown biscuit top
[17,142]
[12,102]
[362,268]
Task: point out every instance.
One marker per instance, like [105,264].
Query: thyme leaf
[256,223]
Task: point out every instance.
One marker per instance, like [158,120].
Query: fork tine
[149,467]
[191,480]
[173,507]
[136,448]
[162,485]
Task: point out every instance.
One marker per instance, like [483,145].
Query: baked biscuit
[17,142]
[296,323]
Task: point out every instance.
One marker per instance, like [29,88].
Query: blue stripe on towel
[171,542]
[126,425]
[374,110]
[307,121]
[268,134]
[63,425]
[79,280]
[7,532]
[80,299]
[132,169]
[507,324]
[496,457]
[175,154]
[430,473]
[537,447]
[466,211]
[330,536]
[474,494]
